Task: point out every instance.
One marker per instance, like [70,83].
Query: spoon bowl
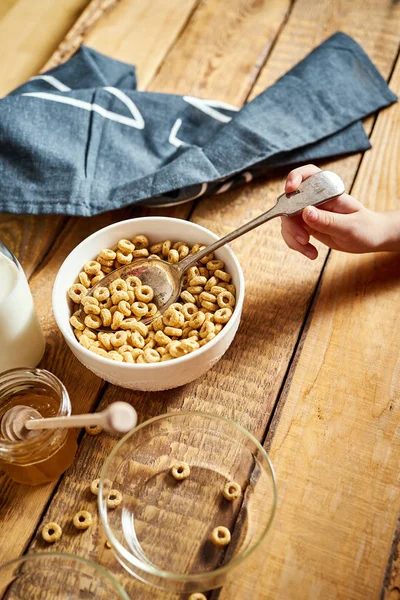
[165,279]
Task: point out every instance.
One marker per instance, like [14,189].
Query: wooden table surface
[314,371]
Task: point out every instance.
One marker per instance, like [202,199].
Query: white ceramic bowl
[146,377]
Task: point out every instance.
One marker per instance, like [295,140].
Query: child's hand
[342,223]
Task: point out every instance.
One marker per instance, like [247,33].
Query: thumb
[326,222]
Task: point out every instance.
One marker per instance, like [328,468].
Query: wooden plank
[20,507]
[42,281]
[58,358]
[5,6]
[336,443]
[273,314]
[229,68]
[77,35]
[29,32]
[162,22]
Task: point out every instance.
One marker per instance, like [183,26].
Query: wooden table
[317,353]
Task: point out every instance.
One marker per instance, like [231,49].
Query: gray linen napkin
[81,140]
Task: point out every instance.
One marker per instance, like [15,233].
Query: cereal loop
[51,532]
[96,279]
[92,267]
[156,248]
[129,324]
[93,321]
[107,254]
[139,309]
[93,429]
[99,351]
[76,292]
[183,251]
[144,293]
[222,275]
[117,319]
[82,519]
[125,246]
[173,318]
[173,331]
[213,265]
[197,320]
[137,339]
[106,303]
[140,241]
[124,307]
[124,259]
[231,490]
[94,487]
[189,345]
[132,281]
[152,309]
[187,296]
[84,279]
[90,334]
[188,310]
[220,536]
[225,299]
[151,356]
[141,328]
[118,285]
[106,317]
[91,309]
[209,305]
[161,338]
[222,315]
[118,296]
[180,471]
[166,247]
[118,339]
[175,349]
[173,257]
[206,328]
[101,293]
[77,323]
[199,280]
[114,499]
[206,296]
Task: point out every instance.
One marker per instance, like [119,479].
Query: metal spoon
[23,422]
[166,279]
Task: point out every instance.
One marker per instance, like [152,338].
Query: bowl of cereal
[177,347]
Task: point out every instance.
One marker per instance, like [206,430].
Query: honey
[46,455]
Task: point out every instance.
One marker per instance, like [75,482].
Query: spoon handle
[318,188]
[119,417]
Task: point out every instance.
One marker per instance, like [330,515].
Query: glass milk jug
[21,338]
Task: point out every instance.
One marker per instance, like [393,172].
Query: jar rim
[24,448]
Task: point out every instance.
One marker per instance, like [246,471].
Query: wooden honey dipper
[23,422]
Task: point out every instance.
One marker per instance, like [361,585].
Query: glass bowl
[161,531]
[57,576]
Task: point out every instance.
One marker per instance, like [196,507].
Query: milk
[21,338]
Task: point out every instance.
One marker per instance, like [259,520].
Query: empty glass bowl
[161,531]
[56,576]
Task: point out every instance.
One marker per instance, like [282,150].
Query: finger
[344,204]
[297,176]
[294,228]
[308,250]
[324,221]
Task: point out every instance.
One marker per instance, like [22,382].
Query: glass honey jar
[49,453]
